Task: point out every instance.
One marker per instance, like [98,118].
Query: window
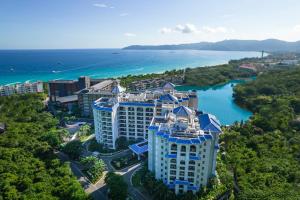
[192,162]
[183,149]
[174,147]
[191,174]
[173,161]
[192,148]
[173,172]
[173,166]
[182,162]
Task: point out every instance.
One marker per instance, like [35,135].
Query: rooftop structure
[86,97]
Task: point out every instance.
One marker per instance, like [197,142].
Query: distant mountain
[269,45]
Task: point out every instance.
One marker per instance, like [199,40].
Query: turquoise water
[23,65]
[218,100]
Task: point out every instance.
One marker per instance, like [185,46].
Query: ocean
[32,65]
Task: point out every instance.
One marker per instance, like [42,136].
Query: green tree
[73,149]
[117,186]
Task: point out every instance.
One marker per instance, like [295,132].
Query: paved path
[133,192]
[89,187]
[99,190]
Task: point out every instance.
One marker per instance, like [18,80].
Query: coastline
[107,63]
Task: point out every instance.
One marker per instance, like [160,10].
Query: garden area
[93,168]
[123,162]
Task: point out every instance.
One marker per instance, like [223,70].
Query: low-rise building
[87,96]
[21,88]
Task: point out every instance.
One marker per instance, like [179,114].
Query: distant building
[146,84]
[63,88]
[87,96]
[289,62]
[2,127]
[21,88]
[249,66]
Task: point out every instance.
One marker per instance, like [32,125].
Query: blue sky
[117,23]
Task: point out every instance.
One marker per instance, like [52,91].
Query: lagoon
[218,101]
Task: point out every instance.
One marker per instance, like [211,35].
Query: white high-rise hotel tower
[182,143]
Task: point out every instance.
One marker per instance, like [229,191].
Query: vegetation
[95,146]
[208,76]
[264,154]
[117,186]
[29,168]
[120,163]
[73,149]
[93,167]
[121,144]
[126,80]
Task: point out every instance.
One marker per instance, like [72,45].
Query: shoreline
[104,64]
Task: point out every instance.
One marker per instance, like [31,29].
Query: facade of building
[182,149]
[87,96]
[21,88]
[130,114]
[182,144]
[64,88]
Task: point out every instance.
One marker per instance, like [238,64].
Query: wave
[53,71]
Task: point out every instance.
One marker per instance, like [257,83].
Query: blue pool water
[23,65]
[218,100]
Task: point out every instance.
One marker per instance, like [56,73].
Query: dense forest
[200,76]
[29,168]
[263,154]
[208,76]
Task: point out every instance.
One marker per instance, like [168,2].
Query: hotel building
[87,96]
[21,88]
[182,143]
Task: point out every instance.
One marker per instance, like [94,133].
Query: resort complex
[21,88]
[182,143]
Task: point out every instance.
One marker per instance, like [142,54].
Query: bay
[32,65]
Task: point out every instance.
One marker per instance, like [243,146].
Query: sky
[64,24]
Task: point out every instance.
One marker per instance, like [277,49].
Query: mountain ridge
[268,45]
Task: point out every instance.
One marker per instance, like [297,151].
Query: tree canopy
[29,168]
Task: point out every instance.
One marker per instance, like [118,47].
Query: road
[89,187]
[133,192]
[99,190]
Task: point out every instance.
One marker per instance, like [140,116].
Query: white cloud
[186,28]
[124,14]
[165,30]
[102,5]
[191,28]
[129,34]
